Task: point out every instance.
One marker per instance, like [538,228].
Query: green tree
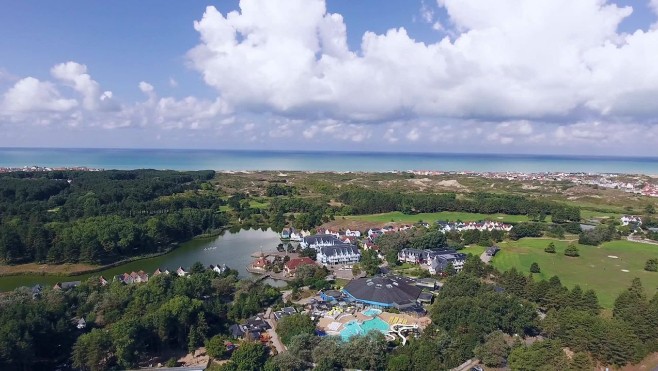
[581,361]
[250,356]
[216,347]
[197,268]
[651,265]
[534,268]
[544,355]
[550,248]
[91,351]
[571,250]
[293,325]
[401,362]
[494,351]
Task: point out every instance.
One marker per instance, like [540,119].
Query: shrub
[651,265]
[550,248]
[534,268]
[571,250]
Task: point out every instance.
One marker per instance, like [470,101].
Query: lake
[232,249]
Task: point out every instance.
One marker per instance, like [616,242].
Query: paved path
[275,337]
[485,258]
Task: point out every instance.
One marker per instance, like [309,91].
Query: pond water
[233,249]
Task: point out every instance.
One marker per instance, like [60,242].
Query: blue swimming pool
[371,312]
[375,324]
[351,329]
[355,328]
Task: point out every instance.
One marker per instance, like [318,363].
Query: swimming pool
[371,312]
[375,324]
[351,329]
[354,328]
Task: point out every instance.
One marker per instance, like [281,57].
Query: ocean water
[178,159]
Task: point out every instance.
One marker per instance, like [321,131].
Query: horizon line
[352,152]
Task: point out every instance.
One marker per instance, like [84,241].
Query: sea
[236,160]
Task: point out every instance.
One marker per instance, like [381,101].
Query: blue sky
[504,76]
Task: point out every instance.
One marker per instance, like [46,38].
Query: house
[630,219]
[338,254]
[284,312]
[181,272]
[291,266]
[81,324]
[441,262]
[251,329]
[136,277]
[298,236]
[347,239]
[102,281]
[160,271]
[66,285]
[36,291]
[414,256]
[260,263]
[352,233]
[369,245]
[492,250]
[218,269]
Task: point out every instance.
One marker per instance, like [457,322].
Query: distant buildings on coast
[46,169]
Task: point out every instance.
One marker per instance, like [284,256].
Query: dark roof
[342,248]
[389,290]
[236,331]
[321,239]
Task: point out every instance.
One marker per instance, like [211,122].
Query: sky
[461,76]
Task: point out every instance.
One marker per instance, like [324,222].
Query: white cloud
[513,60]
[145,87]
[173,83]
[653,4]
[30,94]
[75,75]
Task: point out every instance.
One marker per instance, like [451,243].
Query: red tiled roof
[294,263]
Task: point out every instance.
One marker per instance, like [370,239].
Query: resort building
[418,256]
[290,268]
[384,291]
[338,254]
[319,240]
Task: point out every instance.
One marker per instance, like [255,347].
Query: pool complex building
[384,292]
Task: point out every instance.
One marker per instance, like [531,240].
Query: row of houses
[437,260]
[141,276]
[486,225]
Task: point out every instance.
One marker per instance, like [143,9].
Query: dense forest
[125,323]
[100,217]
[500,318]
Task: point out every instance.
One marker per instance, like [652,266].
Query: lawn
[399,217]
[593,269]
[588,214]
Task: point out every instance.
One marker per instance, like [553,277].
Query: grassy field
[587,214]
[593,269]
[399,217]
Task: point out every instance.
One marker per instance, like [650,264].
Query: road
[486,258]
[280,348]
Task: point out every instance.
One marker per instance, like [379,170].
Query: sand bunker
[613,257]
[625,270]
